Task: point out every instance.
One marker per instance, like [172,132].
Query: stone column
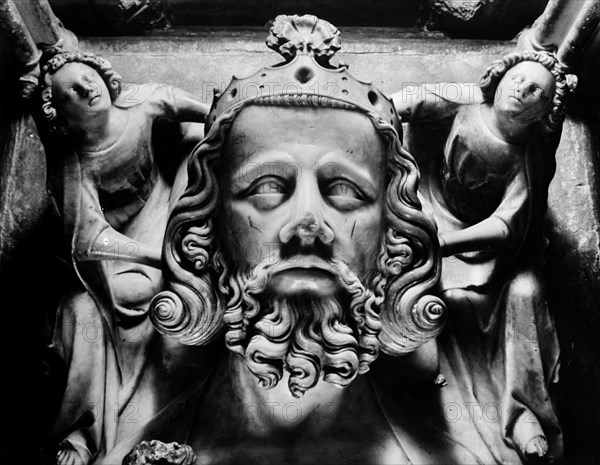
[549,29]
[44,26]
[580,34]
[22,43]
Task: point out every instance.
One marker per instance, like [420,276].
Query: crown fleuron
[307,44]
[306,34]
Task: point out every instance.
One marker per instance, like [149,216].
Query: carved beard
[334,336]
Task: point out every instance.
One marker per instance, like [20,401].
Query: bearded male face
[300,229]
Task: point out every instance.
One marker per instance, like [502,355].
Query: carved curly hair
[190,309]
[53,62]
[565,84]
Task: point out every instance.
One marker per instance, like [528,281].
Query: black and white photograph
[300,232]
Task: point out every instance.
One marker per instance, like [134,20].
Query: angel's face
[78,92]
[526,92]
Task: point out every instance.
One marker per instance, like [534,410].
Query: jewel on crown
[306,77]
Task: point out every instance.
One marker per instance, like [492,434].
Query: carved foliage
[157,452]
[290,35]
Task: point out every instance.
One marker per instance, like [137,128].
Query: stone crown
[307,43]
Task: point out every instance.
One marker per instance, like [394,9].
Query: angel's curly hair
[565,84]
[54,61]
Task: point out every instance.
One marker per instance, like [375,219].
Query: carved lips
[517,99]
[304,274]
[304,262]
[94,100]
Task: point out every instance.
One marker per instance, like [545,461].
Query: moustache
[243,287]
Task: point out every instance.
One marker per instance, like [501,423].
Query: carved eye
[343,195]
[539,93]
[269,185]
[267,193]
[342,189]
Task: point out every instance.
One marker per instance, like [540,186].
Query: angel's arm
[180,105]
[97,240]
[434,101]
[503,229]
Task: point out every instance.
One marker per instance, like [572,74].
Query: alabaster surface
[304,273]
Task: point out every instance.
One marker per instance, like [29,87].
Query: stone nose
[90,89]
[307,227]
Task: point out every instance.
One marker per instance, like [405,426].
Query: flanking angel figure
[487,188]
[112,164]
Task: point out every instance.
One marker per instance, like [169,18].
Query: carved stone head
[532,86]
[300,232]
[75,86]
